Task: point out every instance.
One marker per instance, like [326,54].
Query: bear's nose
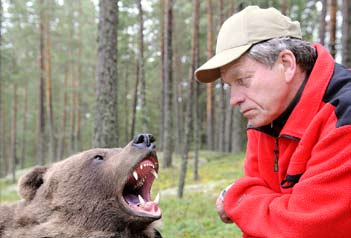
[144,141]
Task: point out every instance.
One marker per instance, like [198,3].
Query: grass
[194,215]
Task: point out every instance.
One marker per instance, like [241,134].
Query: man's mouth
[246,112]
[136,192]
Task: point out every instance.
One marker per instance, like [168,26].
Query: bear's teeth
[141,200]
[135,175]
[157,199]
[154,173]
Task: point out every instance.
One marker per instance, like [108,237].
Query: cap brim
[209,71]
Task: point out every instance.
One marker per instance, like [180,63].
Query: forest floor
[194,215]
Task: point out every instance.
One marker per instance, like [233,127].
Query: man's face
[261,92]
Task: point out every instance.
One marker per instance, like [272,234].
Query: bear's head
[99,189]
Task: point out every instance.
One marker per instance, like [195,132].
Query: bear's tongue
[140,205]
[149,207]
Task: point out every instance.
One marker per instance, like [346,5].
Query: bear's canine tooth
[141,200]
[154,173]
[135,175]
[157,199]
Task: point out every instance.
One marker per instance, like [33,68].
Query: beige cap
[239,32]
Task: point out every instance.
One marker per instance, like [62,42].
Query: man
[297,100]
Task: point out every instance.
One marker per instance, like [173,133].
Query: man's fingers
[220,210]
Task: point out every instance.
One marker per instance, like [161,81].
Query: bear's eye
[98,157]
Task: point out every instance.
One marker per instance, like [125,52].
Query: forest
[87,73]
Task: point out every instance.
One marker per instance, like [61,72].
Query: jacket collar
[312,95]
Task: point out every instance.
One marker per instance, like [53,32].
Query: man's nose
[236,97]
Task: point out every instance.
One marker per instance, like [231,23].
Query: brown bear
[99,193]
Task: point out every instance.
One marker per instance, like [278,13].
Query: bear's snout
[144,141]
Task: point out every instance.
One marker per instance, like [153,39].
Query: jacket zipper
[276,149]
[276,154]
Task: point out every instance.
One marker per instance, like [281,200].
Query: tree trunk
[195,55]
[229,110]
[162,43]
[126,106]
[168,109]
[144,113]
[41,98]
[197,128]
[222,96]
[24,127]
[72,106]
[210,86]
[5,149]
[188,116]
[49,107]
[73,88]
[177,99]
[77,132]
[13,134]
[105,130]
[332,31]
[346,33]
[135,102]
[62,142]
[2,138]
[322,23]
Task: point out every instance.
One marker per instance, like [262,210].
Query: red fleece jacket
[314,144]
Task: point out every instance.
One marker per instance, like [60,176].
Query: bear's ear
[30,182]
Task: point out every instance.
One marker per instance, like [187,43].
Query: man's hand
[220,208]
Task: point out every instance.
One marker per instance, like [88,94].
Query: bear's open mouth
[136,192]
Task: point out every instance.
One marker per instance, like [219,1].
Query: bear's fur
[91,194]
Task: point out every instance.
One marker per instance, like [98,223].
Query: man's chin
[254,122]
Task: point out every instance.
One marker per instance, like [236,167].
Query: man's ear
[30,182]
[288,61]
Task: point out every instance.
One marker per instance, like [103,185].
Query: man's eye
[242,82]
[238,82]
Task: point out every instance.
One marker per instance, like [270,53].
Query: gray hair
[267,52]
